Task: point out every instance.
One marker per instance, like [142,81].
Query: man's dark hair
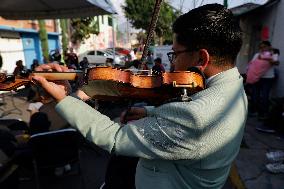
[159,60]
[212,27]
[39,123]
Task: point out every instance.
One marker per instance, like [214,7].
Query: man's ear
[203,59]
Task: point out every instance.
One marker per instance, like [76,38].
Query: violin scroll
[2,77]
[10,82]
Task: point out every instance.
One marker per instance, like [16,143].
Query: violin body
[108,83]
[187,79]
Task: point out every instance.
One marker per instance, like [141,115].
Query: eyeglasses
[173,55]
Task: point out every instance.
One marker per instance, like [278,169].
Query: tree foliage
[82,28]
[64,34]
[43,38]
[139,14]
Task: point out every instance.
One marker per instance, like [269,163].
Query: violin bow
[151,28]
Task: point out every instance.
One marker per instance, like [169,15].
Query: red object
[123,51]
[265,33]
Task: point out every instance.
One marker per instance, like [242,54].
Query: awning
[53,9]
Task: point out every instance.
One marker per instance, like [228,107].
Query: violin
[107,83]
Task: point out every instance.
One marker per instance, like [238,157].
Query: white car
[101,57]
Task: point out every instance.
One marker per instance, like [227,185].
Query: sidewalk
[251,159]
[250,162]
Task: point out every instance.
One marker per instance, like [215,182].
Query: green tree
[82,28]
[139,14]
[64,34]
[43,39]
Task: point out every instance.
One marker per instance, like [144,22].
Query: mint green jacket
[180,144]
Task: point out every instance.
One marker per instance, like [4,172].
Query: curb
[235,177]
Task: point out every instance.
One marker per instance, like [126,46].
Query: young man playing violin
[180,144]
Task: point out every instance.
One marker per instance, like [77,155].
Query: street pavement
[250,172]
[251,159]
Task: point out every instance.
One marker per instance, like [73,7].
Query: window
[91,53]
[100,53]
[109,21]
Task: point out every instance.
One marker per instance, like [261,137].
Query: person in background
[19,68]
[180,144]
[260,77]
[32,89]
[261,63]
[39,123]
[56,56]
[133,54]
[158,68]
[84,64]
[34,64]
[71,60]
[149,59]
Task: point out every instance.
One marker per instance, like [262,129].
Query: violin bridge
[184,97]
[190,85]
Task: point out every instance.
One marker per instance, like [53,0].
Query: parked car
[101,57]
[120,50]
[123,53]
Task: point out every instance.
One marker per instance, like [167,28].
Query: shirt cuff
[75,96]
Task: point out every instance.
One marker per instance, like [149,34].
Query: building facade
[106,37]
[19,40]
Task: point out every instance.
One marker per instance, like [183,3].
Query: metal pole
[226,3]
[113,38]
[127,28]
